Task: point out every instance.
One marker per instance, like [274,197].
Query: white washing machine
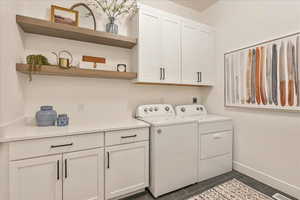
[215,140]
[173,148]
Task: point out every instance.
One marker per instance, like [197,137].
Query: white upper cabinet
[157,56]
[190,54]
[149,48]
[172,49]
[207,55]
[83,175]
[197,54]
[38,178]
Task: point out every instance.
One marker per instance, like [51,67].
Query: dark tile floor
[198,188]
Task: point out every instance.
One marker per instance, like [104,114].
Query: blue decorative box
[62,120]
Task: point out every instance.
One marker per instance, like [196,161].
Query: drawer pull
[129,136]
[63,145]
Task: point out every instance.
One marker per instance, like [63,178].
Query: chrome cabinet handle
[198,77]
[57,169]
[164,70]
[161,76]
[129,136]
[63,145]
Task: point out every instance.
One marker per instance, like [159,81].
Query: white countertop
[25,131]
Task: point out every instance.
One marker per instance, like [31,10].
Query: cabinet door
[171,50]
[206,55]
[35,179]
[127,169]
[149,62]
[190,54]
[83,175]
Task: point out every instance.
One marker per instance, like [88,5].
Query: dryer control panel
[155,110]
[190,110]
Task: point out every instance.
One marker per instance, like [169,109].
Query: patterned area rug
[231,190]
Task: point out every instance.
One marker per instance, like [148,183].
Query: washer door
[173,154]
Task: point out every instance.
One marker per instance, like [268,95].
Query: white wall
[95,98]
[11,96]
[2,14]
[266,143]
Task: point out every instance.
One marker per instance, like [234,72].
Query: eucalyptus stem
[115,8]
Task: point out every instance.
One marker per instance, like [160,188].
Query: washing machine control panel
[155,110]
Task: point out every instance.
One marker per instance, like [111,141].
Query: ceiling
[198,5]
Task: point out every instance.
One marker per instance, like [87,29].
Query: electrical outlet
[195,100]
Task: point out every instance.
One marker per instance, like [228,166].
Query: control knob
[199,108]
[167,108]
[182,109]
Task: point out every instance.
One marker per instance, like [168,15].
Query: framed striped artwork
[264,75]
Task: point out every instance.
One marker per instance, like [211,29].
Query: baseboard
[130,194]
[268,179]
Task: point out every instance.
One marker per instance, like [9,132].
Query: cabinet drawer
[213,167]
[40,147]
[217,144]
[88,141]
[126,136]
[215,127]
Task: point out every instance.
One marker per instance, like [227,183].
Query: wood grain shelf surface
[44,27]
[76,72]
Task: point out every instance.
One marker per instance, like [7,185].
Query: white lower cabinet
[70,176]
[76,168]
[35,179]
[127,169]
[83,175]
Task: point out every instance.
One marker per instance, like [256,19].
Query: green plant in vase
[35,63]
[114,9]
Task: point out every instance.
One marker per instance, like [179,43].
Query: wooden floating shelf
[76,72]
[172,84]
[44,27]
